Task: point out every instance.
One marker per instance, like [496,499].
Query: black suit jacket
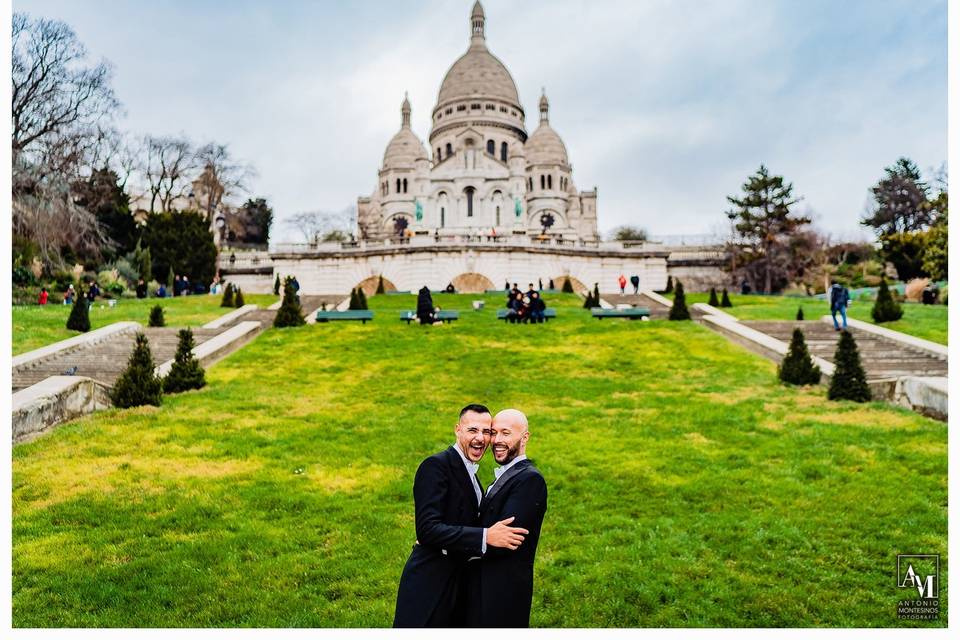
[431,586]
[500,586]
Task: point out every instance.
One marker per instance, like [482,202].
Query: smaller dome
[404,150]
[545,145]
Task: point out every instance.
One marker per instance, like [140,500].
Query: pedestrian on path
[839,299]
[635,281]
[622,281]
[43,296]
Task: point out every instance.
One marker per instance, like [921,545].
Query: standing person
[141,289]
[539,284]
[176,285]
[184,286]
[42,299]
[500,586]
[635,281]
[70,295]
[93,292]
[839,299]
[447,496]
[296,288]
[622,281]
[530,290]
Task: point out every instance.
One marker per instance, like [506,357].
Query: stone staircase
[882,358]
[658,311]
[105,361]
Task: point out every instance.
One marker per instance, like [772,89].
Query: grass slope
[923,321]
[687,487]
[35,326]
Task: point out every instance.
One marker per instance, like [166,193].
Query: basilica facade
[482,174]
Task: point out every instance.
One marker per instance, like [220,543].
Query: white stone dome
[405,148]
[545,145]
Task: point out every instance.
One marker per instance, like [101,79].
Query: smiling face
[509,435]
[473,434]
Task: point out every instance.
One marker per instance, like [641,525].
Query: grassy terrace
[35,326]
[923,321]
[687,487]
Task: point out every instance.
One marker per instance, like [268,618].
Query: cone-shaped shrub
[885,309]
[276,285]
[238,299]
[170,281]
[797,366]
[669,288]
[79,319]
[799,313]
[138,384]
[567,286]
[290,313]
[227,300]
[354,301]
[725,300]
[849,379]
[596,294]
[588,301]
[380,289]
[186,372]
[156,317]
[713,301]
[361,298]
[679,309]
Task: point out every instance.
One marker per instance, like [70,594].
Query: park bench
[328,316]
[547,314]
[446,316]
[634,313]
[398,293]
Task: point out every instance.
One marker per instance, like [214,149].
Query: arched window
[398,185]
[543,182]
[491,147]
[469,191]
[549,182]
[503,151]
[449,150]
[404,185]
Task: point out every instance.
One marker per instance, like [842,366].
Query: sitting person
[537,308]
[518,311]
[425,312]
[162,291]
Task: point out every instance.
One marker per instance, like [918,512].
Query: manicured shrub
[186,372]
[380,289]
[238,299]
[885,309]
[290,313]
[79,319]
[138,384]
[362,298]
[567,286]
[725,300]
[797,366]
[713,301]
[596,294]
[227,299]
[354,301]
[276,285]
[849,379]
[170,280]
[156,317]
[679,309]
[799,313]
[669,288]
[588,301]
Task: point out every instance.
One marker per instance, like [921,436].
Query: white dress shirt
[499,471]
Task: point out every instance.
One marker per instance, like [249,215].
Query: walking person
[42,299]
[622,281]
[635,281]
[839,299]
[70,295]
[141,289]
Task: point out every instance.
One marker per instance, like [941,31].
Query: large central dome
[478,73]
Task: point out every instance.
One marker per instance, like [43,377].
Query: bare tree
[222,176]
[167,166]
[323,225]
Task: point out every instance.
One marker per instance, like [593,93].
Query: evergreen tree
[797,366]
[227,300]
[290,313]
[79,319]
[849,379]
[380,289]
[799,313]
[567,286]
[170,281]
[725,300]
[276,285]
[713,302]
[354,301]
[186,372]
[669,288]
[156,317]
[596,294]
[238,299]
[679,309]
[362,299]
[885,309]
[588,301]
[138,384]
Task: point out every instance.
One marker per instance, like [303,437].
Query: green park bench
[446,316]
[548,314]
[634,314]
[330,316]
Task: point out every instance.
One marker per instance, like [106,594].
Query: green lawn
[35,326]
[923,321]
[687,487]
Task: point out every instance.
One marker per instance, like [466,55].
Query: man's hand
[504,536]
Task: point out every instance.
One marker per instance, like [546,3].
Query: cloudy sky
[665,105]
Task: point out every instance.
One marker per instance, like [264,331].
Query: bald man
[500,586]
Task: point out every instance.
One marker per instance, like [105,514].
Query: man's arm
[430,489]
[527,503]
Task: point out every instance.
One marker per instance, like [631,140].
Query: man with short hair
[500,589]
[839,299]
[447,496]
